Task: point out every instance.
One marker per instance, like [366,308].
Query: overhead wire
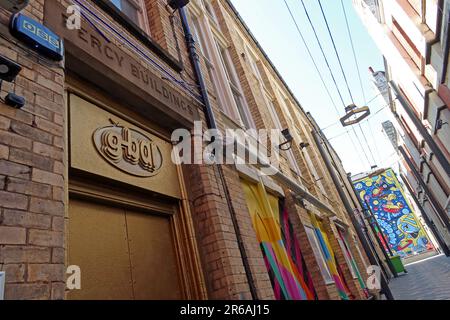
[311,55]
[319,72]
[323,52]
[359,72]
[359,75]
[353,49]
[336,51]
[332,76]
[334,79]
[347,85]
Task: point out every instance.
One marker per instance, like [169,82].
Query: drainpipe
[442,214]
[349,209]
[420,127]
[212,124]
[427,219]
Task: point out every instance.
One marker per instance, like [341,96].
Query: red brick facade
[34,172]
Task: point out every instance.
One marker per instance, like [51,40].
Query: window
[235,87]
[345,247]
[253,64]
[407,43]
[134,10]
[198,36]
[200,40]
[209,9]
[293,164]
[318,253]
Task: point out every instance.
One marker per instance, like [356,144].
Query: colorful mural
[346,248]
[332,264]
[293,248]
[386,199]
[282,255]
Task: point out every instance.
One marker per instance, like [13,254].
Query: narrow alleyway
[426,280]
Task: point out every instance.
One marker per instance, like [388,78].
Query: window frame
[319,255]
[241,107]
[139,34]
[345,247]
[204,51]
[273,114]
[141,11]
[209,10]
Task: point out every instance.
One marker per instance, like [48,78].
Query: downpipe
[212,124]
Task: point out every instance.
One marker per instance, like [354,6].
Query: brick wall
[296,121]
[32,175]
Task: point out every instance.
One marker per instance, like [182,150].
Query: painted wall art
[386,198]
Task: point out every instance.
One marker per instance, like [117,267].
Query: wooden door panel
[153,258]
[98,244]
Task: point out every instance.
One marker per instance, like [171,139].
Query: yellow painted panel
[153,257]
[85,121]
[98,245]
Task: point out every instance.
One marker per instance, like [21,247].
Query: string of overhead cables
[353,50]
[333,77]
[358,71]
[347,84]
[319,72]
[336,51]
[344,75]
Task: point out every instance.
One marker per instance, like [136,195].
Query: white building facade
[413,36]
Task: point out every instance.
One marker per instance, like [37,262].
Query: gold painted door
[122,254]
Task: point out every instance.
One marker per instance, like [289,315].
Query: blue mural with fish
[400,225]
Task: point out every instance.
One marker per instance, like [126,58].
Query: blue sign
[39,37]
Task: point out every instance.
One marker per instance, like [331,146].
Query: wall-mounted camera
[8,69]
[14,5]
[14,100]
[8,72]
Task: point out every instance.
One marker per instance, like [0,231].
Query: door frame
[84,186]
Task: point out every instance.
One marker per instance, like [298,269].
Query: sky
[273,27]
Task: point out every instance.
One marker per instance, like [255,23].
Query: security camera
[14,5]
[8,69]
[15,101]
[8,72]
